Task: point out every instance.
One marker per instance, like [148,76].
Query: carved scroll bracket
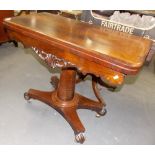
[51,59]
[109,77]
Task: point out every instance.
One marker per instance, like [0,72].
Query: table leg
[66,101]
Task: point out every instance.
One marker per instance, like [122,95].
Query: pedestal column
[66,86]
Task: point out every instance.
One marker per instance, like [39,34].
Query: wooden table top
[117,48]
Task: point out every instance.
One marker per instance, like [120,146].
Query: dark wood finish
[101,18]
[3,35]
[65,91]
[77,48]
[84,40]
[4,14]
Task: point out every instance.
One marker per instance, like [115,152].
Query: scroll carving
[51,59]
[111,78]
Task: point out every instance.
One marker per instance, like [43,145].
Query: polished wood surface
[79,49]
[108,48]
[4,14]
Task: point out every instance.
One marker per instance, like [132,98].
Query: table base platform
[66,102]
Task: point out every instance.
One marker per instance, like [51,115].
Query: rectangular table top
[117,48]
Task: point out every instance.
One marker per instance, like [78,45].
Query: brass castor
[26,96]
[80,137]
[101,113]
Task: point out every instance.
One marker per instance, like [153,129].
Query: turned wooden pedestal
[66,101]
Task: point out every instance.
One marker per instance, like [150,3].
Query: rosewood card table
[79,49]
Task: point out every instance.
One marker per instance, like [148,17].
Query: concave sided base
[66,102]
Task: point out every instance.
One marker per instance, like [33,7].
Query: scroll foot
[101,113]
[80,137]
[27,97]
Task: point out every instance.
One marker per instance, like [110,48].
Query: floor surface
[131,108]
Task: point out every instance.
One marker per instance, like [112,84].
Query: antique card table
[80,49]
